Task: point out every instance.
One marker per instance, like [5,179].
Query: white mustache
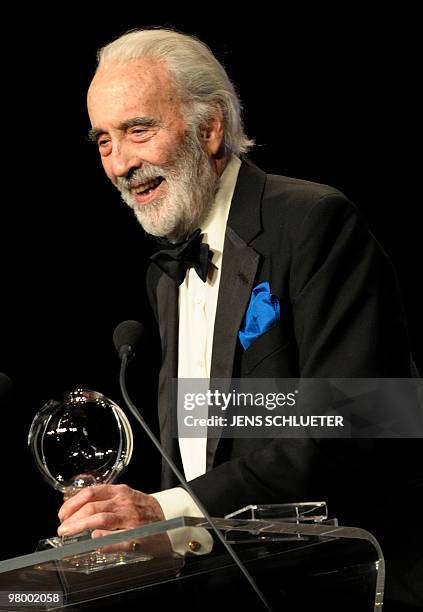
[140,175]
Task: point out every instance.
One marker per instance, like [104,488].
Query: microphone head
[128,336]
[6,390]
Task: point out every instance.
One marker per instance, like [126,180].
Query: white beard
[191,183]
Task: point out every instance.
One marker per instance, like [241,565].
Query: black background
[329,98]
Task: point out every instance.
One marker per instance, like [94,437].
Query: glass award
[83,440]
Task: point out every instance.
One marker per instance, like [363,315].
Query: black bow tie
[177,257]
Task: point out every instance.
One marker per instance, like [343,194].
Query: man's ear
[212,135]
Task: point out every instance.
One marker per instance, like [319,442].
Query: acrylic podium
[300,562]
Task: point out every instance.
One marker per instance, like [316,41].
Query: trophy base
[93,561]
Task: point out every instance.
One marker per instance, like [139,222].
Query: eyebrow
[147,122]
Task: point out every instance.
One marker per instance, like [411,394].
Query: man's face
[158,165]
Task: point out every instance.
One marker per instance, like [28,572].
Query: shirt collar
[214,227]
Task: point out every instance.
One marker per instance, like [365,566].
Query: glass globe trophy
[84,440]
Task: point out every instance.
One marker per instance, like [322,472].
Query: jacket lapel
[239,268]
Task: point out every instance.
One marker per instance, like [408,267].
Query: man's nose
[123,161]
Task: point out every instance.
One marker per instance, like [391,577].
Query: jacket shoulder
[290,201]
[299,194]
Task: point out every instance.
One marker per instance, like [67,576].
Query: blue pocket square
[262,313]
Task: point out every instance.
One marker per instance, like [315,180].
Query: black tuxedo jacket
[341,316]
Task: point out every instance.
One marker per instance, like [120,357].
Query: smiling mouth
[148,186]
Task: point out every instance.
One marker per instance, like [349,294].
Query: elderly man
[166,120]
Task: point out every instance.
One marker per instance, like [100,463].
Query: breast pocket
[273,354]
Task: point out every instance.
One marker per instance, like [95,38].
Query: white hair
[200,79]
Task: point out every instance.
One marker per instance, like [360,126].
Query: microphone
[127,337]
[6,390]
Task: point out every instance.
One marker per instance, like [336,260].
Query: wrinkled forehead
[132,77]
[127,86]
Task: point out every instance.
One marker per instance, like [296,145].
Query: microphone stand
[125,358]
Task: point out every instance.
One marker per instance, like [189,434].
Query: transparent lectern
[300,559]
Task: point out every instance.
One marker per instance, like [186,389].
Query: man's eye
[102,142]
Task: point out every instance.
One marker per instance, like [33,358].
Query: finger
[101,533]
[91,508]
[97,493]
[129,546]
[102,520]
[86,495]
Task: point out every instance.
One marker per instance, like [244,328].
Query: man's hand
[107,507]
